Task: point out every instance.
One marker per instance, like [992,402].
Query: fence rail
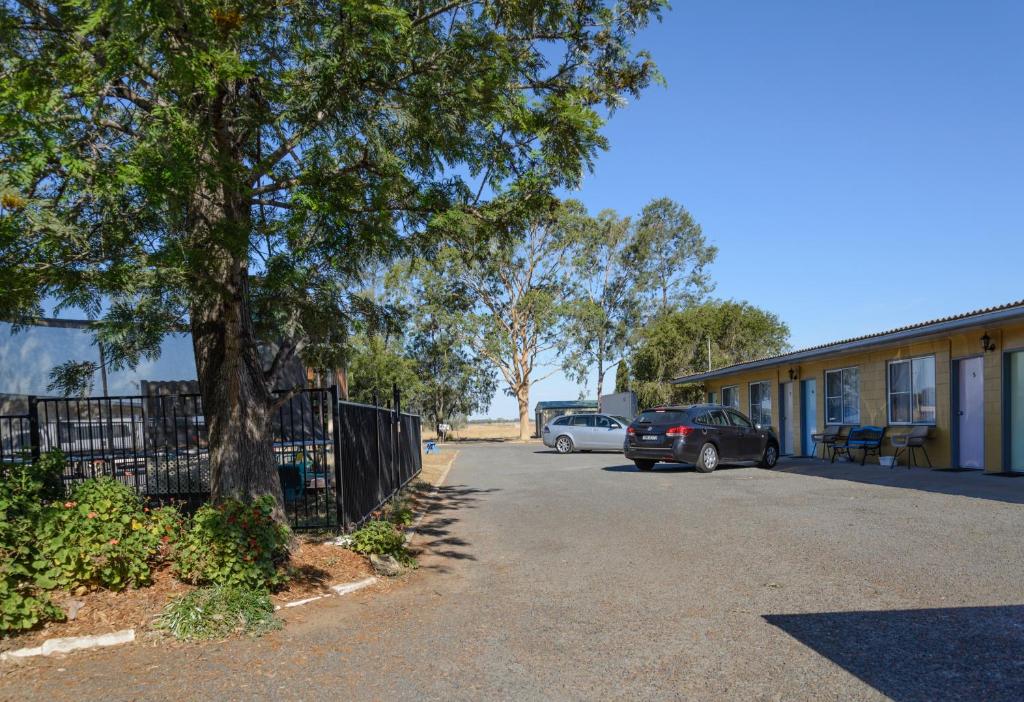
[337,461]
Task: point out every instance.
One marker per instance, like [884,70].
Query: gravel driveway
[577,577]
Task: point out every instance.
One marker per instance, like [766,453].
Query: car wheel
[707,461]
[770,457]
[563,444]
[644,465]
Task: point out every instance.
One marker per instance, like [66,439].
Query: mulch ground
[314,566]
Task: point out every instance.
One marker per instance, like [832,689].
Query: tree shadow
[666,468]
[440,507]
[948,653]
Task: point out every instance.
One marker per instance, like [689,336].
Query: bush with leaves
[218,611]
[23,489]
[234,543]
[382,538]
[100,537]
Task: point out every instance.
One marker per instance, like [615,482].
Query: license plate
[650,437]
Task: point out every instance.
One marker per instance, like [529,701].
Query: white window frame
[844,420]
[889,393]
[736,394]
[750,403]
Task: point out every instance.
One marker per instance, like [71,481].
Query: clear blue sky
[860,165]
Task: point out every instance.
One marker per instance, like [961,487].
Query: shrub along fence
[338,461]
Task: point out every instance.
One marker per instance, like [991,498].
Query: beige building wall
[873,367]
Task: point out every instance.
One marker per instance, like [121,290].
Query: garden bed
[314,566]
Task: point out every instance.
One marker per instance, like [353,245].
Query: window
[842,396]
[731,396]
[718,418]
[660,417]
[738,420]
[912,391]
[712,397]
[583,420]
[761,403]
[562,421]
[602,422]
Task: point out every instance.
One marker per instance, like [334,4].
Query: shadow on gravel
[968,484]
[436,525]
[948,653]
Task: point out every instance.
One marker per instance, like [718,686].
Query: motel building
[961,378]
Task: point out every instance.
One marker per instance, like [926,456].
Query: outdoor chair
[909,443]
[292,484]
[826,439]
[867,439]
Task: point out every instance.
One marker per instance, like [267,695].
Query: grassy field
[480,432]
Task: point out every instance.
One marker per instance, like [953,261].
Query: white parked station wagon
[585,432]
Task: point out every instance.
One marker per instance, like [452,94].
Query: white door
[971,413]
[787,420]
[809,414]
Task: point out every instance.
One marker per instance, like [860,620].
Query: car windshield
[660,417]
[621,420]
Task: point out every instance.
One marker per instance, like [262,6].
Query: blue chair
[432,447]
[867,439]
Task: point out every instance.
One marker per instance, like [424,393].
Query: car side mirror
[758,427]
[616,426]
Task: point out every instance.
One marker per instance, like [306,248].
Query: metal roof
[987,315]
[565,404]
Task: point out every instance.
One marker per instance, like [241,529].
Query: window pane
[738,419]
[718,419]
[900,407]
[834,410]
[899,376]
[833,384]
[603,422]
[924,389]
[851,396]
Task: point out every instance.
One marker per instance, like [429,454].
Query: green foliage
[399,509]
[219,611]
[675,343]
[624,272]
[23,487]
[234,543]
[100,537]
[382,538]
[375,365]
[622,380]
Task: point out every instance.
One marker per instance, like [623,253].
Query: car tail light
[631,431]
[678,431]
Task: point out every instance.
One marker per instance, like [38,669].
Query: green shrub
[381,537]
[23,488]
[100,537]
[219,611]
[233,543]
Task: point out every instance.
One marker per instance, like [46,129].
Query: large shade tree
[224,166]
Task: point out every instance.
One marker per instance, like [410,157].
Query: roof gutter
[880,340]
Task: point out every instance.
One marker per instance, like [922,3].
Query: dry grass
[491,431]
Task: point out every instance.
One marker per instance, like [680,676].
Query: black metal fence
[337,461]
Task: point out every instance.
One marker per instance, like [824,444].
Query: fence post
[339,486]
[396,433]
[33,426]
[376,435]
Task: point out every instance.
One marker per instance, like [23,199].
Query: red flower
[91,515]
[69,505]
[165,539]
[115,542]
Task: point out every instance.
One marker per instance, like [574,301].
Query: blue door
[808,414]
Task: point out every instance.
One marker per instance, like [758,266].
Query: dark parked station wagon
[704,435]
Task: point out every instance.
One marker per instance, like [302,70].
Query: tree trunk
[237,404]
[523,396]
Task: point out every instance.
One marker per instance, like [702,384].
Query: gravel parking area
[577,577]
